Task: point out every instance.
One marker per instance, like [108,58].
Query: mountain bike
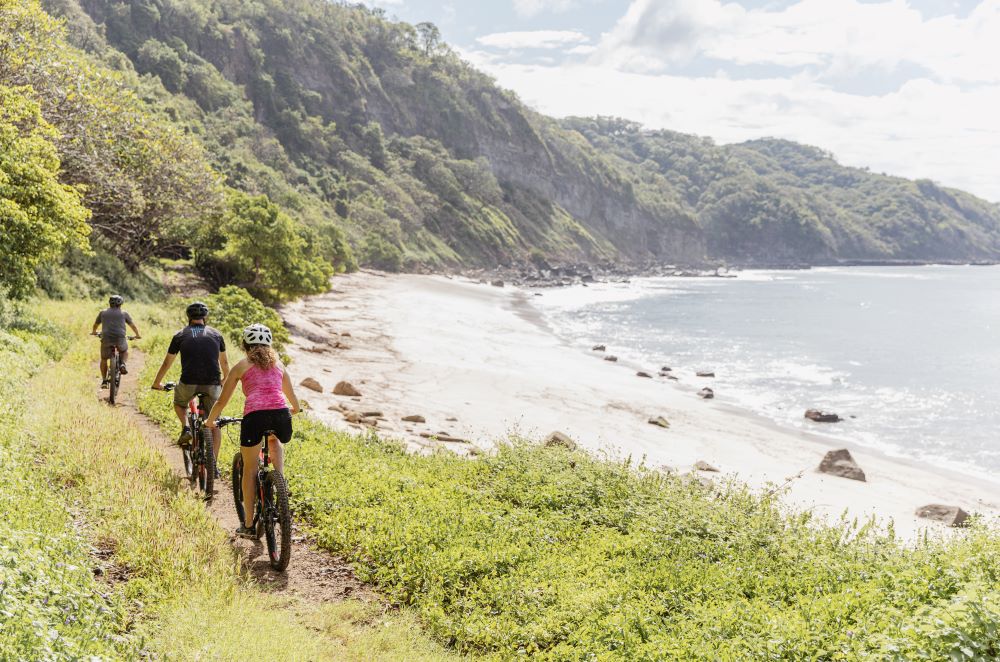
[199,457]
[272,517]
[114,375]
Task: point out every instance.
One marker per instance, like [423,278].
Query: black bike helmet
[197,311]
[116,300]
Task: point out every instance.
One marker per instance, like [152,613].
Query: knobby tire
[277,520]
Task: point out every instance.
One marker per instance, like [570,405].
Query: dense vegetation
[84,152]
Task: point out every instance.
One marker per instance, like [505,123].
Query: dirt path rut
[312,575]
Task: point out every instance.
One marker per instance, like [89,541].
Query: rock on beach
[311,384]
[840,463]
[950,515]
[560,439]
[346,388]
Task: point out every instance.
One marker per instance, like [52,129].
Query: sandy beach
[478,364]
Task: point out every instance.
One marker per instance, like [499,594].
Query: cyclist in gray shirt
[114,334]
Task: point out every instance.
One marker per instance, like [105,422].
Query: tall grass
[183,596]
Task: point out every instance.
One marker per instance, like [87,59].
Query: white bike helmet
[257,334]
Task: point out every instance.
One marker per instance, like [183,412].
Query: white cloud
[838,37]
[926,128]
[530,8]
[533,39]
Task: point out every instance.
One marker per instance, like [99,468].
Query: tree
[39,217]
[256,245]
[429,36]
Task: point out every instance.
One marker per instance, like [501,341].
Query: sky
[906,87]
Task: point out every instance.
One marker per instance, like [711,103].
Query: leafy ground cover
[90,477]
[551,552]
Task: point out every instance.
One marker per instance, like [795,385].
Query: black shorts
[256,423]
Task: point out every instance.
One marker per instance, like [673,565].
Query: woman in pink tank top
[268,390]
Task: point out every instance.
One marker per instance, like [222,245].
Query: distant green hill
[346,119]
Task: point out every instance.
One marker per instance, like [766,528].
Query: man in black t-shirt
[203,367]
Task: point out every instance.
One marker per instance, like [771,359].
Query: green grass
[559,555]
[183,596]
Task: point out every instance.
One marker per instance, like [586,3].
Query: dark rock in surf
[643,374]
[706,393]
[701,465]
[598,348]
[822,416]
[705,373]
[611,358]
[414,418]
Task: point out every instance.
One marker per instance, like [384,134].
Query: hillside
[347,120]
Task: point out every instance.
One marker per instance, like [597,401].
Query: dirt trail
[312,575]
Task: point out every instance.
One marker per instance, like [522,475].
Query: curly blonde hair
[262,356]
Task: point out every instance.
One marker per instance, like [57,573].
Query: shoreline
[479,363]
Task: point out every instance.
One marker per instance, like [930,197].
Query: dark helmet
[116,300]
[197,311]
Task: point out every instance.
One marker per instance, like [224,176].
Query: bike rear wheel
[205,468]
[277,520]
[113,375]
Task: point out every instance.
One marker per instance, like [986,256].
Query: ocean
[908,356]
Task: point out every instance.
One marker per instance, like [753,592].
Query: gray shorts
[108,344]
[183,393]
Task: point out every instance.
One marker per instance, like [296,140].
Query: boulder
[352,417]
[311,384]
[611,358]
[451,419]
[346,388]
[345,334]
[372,414]
[414,418]
[666,368]
[701,465]
[496,283]
[822,416]
[840,463]
[706,393]
[705,373]
[559,439]
[659,420]
[950,515]
[598,348]
[643,374]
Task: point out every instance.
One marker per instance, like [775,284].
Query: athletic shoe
[247,532]
[185,439]
[105,383]
[122,369]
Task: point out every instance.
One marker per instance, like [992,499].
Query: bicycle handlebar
[100,334]
[223,421]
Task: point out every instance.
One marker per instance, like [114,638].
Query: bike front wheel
[277,520]
[205,467]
